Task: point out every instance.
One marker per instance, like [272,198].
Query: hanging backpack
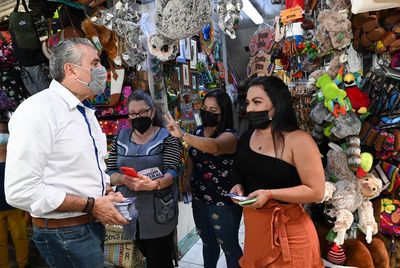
[26,43]
[23,29]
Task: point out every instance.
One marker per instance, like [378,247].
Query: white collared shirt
[51,153]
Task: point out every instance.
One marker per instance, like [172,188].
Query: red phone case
[129,171]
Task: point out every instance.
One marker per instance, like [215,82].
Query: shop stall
[340,60]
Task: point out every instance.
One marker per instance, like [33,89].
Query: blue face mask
[3,138]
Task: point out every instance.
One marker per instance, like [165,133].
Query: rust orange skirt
[280,235]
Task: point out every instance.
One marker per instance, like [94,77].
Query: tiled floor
[194,257]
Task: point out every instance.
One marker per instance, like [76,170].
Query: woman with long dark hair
[211,151]
[280,166]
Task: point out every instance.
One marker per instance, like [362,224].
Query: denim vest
[158,209]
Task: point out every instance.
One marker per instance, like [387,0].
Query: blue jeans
[78,246]
[218,226]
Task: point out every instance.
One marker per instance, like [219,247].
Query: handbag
[22,28]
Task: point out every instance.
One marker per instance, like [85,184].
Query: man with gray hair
[55,162]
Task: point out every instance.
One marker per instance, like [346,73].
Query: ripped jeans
[218,226]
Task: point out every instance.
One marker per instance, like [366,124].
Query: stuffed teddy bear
[175,20]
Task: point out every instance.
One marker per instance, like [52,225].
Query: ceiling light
[252,12]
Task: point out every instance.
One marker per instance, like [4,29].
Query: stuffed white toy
[351,194]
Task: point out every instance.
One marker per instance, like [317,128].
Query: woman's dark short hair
[141,95]
[225,104]
[284,119]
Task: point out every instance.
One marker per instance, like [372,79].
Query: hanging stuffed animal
[175,20]
[359,100]
[349,196]
[332,95]
[229,15]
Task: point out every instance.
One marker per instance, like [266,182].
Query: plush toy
[349,196]
[359,100]
[336,168]
[229,15]
[317,115]
[332,95]
[358,253]
[102,38]
[175,20]
[344,125]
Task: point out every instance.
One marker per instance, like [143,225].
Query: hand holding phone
[129,171]
[244,200]
[248,201]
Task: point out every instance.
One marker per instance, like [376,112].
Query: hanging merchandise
[103,39]
[262,39]
[122,19]
[67,32]
[350,195]
[302,97]
[22,28]
[35,78]
[390,216]
[6,103]
[260,64]
[12,84]
[7,58]
[207,38]
[261,43]
[26,42]
[158,83]
[44,7]
[229,16]
[176,20]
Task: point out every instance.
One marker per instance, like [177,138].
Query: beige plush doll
[347,197]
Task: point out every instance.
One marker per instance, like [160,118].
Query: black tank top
[260,171]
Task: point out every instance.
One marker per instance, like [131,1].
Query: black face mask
[141,124]
[209,119]
[259,120]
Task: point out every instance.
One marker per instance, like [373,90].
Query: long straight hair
[284,119]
